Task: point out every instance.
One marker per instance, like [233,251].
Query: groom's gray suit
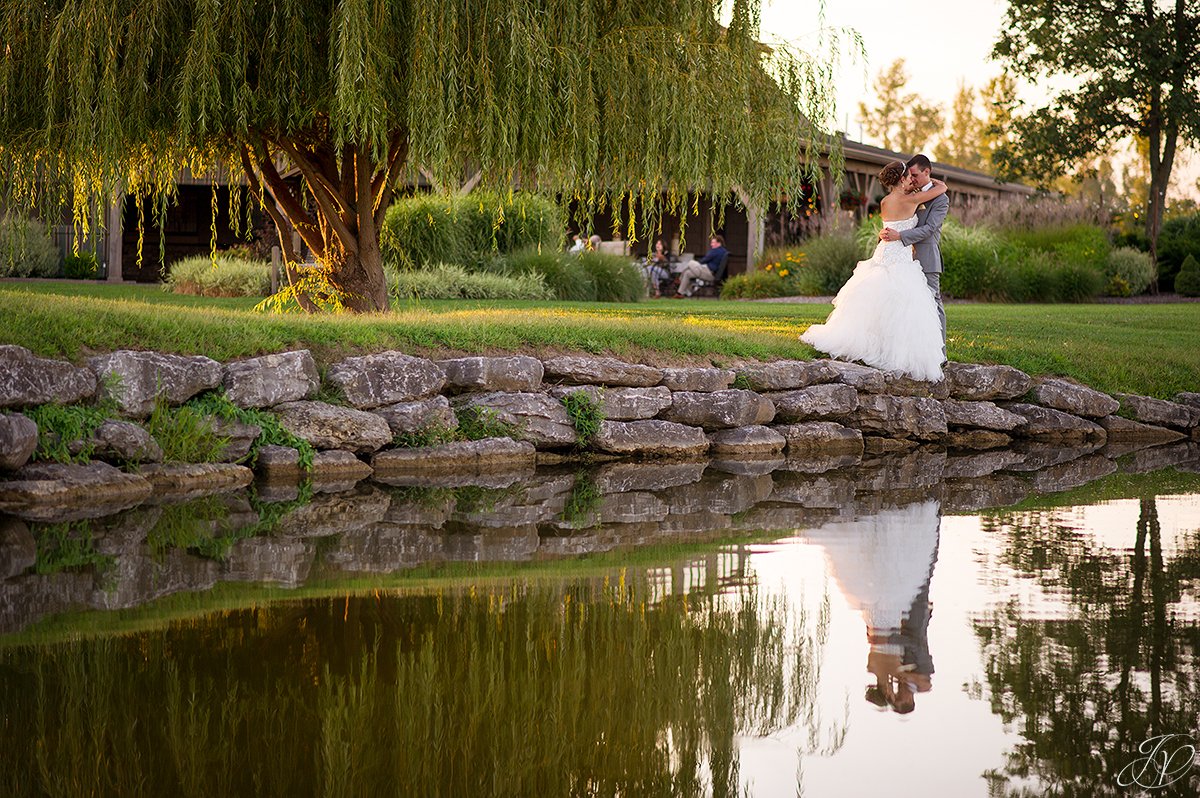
[926,237]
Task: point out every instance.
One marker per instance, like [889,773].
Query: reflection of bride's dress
[882,561]
[885,314]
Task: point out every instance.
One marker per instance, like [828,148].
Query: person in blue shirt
[704,269]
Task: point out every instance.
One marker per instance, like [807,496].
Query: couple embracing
[889,313]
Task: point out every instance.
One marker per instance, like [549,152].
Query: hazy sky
[943,43]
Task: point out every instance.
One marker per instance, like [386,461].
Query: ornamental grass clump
[26,249]
[445,281]
[220,276]
[1128,272]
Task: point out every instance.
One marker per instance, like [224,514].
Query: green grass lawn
[1150,349]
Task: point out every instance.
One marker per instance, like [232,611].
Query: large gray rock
[857,376]
[385,379]
[42,491]
[27,380]
[902,385]
[18,440]
[190,480]
[975,383]
[328,426]
[750,441]
[1078,400]
[123,442]
[703,380]
[1123,430]
[339,465]
[407,418]
[719,409]
[1160,412]
[820,437]
[135,380]
[601,371]
[239,438]
[622,404]
[654,438]
[815,403]
[788,375]
[460,455]
[980,415]
[1189,398]
[515,373]
[277,462]
[899,416]
[1047,424]
[272,379]
[540,419]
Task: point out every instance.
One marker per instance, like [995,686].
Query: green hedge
[26,249]
[465,230]
[204,275]
[1187,282]
[1179,238]
[447,281]
[583,277]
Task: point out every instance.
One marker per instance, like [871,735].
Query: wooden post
[275,259]
[114,242]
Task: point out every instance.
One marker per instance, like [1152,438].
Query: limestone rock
[461,455]
[899,416]
[654,438]
[980,415]
[702,380]
[196,479]
[136,379]
[241,438]
[975,383]
[44,490]
[601,371]
[336,464]
[719,409]
[27,380]
[976,439]
[540,419]
[820,437]
[750,441]
[817,402]
[406,418]
[1078,400]
[1189,398]
[277,462]
[1122,429]
[328,426]
[622,404]
[516,373]
[1160,412]
[272,379]
[18,440]
[902,385]
[1047,424]
[123,442]
[788,375]
[385,378]
[859,377]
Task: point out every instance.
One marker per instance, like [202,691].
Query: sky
[943,42]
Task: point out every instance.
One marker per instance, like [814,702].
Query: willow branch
[301,220]
[332,204]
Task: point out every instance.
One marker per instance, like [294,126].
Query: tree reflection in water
[1086,686]
[533,689]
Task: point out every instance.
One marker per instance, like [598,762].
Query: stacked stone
[820,411]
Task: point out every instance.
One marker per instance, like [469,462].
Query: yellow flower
[769,266]
[783,272]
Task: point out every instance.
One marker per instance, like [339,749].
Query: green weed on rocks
[585,415]
[272,433]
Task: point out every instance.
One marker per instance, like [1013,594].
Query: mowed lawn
[1150,349]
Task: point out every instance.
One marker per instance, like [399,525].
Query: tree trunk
[359,278]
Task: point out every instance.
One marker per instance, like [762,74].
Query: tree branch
[332,204]
[384,184]
[300,218]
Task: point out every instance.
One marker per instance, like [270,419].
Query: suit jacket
[712,259]
[927,235]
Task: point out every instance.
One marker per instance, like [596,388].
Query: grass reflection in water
[539,689]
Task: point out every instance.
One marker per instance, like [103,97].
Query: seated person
[705,268]
[577,244]
[657,268]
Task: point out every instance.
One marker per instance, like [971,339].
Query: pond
[910,625]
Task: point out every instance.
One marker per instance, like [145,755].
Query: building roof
[856,150]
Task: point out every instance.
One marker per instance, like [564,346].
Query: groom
[926,237]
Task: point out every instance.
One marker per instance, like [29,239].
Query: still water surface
[881,643]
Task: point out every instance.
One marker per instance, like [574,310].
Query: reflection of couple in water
[883,563]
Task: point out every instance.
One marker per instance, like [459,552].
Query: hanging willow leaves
[595,100]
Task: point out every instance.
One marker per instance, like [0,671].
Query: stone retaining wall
[785,409]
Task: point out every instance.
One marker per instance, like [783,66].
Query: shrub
[420,231]
[1179,238]
[617,277]
[1081,244]
[565,275]
[445,281]
[1030,213]
[970,256]
[1039,276]
[81,266]
[26,249]
[867,234]
[831,260]
[755,285]
[1187,282]
[204,275]
[1127,272]
[1075,282]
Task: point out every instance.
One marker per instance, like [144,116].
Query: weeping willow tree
[326,107]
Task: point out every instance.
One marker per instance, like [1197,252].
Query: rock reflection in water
[593,687]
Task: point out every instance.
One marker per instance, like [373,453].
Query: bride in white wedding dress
[885,315]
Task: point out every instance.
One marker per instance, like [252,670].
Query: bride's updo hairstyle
[892,174]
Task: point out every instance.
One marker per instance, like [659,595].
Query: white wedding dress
[885,315]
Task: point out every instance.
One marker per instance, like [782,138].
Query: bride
[885,315]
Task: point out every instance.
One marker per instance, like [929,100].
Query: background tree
[325,105]
[1134,70]
[999,99]
[899,121]
[963,142]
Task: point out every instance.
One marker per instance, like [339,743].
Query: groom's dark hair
[919,161]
